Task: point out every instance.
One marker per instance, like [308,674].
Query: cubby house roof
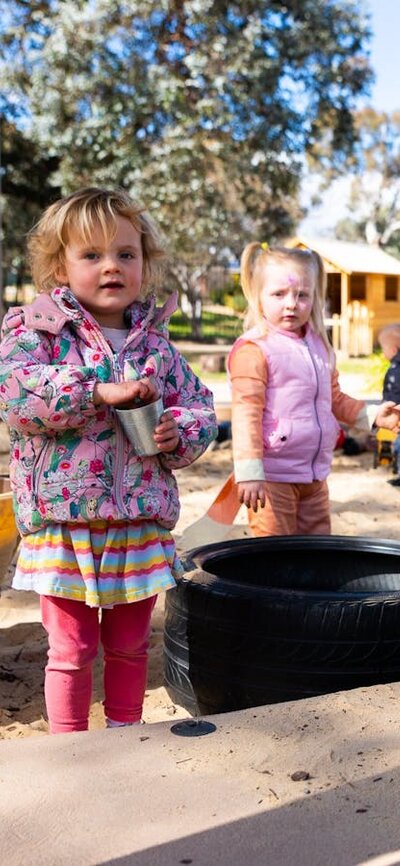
[351,257]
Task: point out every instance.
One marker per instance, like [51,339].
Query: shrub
[236,302]
[377,368]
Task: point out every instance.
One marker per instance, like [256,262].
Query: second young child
[95,516]
[389,341]
[286,398]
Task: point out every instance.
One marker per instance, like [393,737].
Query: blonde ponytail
[317,311]
[252,265]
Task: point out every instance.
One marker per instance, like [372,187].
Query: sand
[362,504]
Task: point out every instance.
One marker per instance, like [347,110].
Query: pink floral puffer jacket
[70,460]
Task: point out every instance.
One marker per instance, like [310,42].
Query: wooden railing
[352,332]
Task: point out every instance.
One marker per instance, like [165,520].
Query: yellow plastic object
[383,448]
[8,529]
[383,435]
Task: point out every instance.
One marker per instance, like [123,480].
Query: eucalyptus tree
[203,109]
[25,191]
[374,174]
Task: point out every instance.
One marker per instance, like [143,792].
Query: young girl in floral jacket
[95,517]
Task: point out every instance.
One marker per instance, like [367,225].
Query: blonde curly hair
[78,215]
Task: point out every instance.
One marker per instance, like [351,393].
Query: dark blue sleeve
[391,383]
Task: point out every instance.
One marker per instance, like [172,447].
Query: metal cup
[139,424]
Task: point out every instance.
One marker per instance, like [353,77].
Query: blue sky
[384,96]
[385,53]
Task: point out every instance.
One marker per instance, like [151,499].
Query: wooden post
[355,326]
[344,299]
[360,334]
[336,331]
[370,344]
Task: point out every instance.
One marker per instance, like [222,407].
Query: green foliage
[202,109]
[374,170]
[372,368]
[352,230]
[233,287]
[214,327]
[375,372]
[26,190]
[230,295]
[216,295]
[236,302]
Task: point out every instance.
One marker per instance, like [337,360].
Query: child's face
[287,296]
[105,276]
[389,347]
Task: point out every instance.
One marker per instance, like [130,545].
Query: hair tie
[264,246]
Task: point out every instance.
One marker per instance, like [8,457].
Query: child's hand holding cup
[140,412]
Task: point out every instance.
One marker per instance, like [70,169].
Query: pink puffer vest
[299,429]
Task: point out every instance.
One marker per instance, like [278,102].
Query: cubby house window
[358,287]
[391,288]
[333,295]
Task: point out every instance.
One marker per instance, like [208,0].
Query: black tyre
[272,619]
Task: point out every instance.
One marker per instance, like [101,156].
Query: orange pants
[293,509]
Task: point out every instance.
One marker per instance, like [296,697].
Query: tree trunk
[191,300]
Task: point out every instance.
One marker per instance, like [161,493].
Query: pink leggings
[74,631]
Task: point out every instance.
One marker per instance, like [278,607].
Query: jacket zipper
[316,412]
[119,437]
[119,441]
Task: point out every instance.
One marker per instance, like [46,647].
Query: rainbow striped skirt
[99,563]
